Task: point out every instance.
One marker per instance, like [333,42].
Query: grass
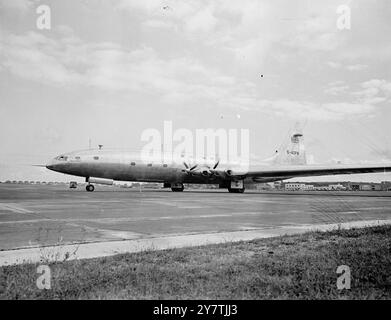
[287,267]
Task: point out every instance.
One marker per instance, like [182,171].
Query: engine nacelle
[206,173]
[100,181]
[231,173]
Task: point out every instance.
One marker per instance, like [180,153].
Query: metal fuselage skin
[130,167]
[125,166]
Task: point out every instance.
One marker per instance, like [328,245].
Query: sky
[107,70]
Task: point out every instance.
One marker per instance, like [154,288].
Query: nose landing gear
[90,187]
[177,187]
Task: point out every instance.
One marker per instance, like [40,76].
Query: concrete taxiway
[38,221]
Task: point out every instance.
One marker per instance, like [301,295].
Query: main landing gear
[177,187]
[90,187]
[236,190]
[236,186]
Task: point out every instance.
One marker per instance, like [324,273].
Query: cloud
[344,66]
[383,85]
[316,33]
[203,20]
[336,88]
[321,111]
[159,24]
[357,67]
[67,61]
[63,59]
[334,65]
[18,5]
[233,28]
[374,91]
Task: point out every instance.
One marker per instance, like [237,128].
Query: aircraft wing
[273,173]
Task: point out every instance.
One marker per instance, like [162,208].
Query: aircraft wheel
[236,190]
[177,189]
[90,188]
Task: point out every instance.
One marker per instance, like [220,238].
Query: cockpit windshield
[61,158]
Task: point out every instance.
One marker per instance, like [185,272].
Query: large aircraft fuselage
[130,167]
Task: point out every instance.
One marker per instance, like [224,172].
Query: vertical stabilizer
[292,152]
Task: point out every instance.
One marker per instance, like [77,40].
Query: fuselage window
[96,158]
[133,163]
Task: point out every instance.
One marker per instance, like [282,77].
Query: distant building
[332,186]
[386,185]
[278,185]
[259,186]
[337,187]
[365,186]
[294,186]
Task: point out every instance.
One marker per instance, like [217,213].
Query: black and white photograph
[175,151]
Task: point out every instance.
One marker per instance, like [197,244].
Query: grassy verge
[287,267]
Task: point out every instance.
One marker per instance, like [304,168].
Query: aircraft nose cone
[51,165]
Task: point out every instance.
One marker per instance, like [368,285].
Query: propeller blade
[185,164]
[193,167]
[217,163]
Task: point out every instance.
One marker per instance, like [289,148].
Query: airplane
[100,166]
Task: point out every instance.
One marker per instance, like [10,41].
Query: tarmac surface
[36,216]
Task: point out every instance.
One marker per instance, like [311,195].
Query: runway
[36,216]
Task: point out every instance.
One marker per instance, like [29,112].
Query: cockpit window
[62,158]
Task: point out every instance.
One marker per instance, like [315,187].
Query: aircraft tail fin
[291,152]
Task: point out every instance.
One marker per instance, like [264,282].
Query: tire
[90,187]
[177,189]
[236,190]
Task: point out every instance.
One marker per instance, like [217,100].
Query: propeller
[188,168]
[212,171]
[207,172]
